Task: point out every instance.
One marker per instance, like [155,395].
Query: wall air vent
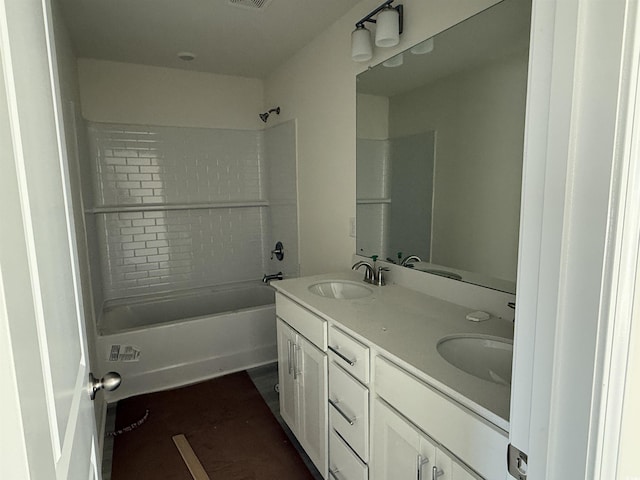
[250,4]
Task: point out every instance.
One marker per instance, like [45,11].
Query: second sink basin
[340,289]
[484,357]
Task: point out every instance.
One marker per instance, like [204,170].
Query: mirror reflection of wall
[439,149]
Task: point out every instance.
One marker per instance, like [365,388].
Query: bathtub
[166,341]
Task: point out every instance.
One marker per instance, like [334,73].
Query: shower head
[264,116]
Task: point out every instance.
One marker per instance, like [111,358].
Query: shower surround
[181,208]
[188,215]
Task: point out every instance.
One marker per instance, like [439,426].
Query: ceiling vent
[250,4]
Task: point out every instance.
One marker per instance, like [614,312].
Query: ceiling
[226,39]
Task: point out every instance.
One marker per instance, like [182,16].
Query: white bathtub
[172,340]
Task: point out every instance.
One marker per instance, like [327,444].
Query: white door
[578,236]
[396,446]
[41,307]
[286,343]
[312,402]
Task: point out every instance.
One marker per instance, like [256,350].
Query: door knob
[109,382]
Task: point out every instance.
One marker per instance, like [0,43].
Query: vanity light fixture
[361,49]
[389,24]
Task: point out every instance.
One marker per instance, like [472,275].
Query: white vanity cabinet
[362,387]
[401,451]
[348,406]
[302,372]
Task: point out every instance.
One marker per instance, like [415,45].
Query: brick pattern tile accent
[153,251]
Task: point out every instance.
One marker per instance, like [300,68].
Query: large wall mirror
[439,150]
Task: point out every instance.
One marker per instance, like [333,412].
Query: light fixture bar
[387,4]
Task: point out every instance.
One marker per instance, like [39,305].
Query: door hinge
[517,463]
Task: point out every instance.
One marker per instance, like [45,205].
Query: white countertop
[406,326]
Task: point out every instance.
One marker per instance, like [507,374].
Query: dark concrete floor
[264,378]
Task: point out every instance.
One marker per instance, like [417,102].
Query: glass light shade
[423,47]
[395,61]
[361,49]
[388,28]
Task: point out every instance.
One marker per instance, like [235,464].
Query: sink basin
[340,289]
[484,357]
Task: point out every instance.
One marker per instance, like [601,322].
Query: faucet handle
[380,281]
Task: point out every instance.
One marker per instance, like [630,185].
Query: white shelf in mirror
[176,206]
[372,201]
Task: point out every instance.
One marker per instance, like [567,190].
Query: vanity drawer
[349,410]
[343,463]
[302,320]
[349,353]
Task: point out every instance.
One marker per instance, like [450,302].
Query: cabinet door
[313,428]
[288,386]
[458,472]
[399,451]
[450,469]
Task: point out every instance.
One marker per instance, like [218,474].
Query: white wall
[117,92]
[372,117]
[630,422]
[478,117]
[412,173]
[317,87]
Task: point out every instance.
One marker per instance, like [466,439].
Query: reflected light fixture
[389,23]
[396,61]
[423,47]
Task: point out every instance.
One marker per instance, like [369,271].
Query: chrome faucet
[372,275]
[410,258]
[369,273]
[268,278]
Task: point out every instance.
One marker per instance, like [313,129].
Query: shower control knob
[109,382]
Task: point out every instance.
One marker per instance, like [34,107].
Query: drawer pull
[334,404]
[435,473]
[348,360]
[422,461]
[289,355]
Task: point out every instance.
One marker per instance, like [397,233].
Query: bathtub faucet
[268,278]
